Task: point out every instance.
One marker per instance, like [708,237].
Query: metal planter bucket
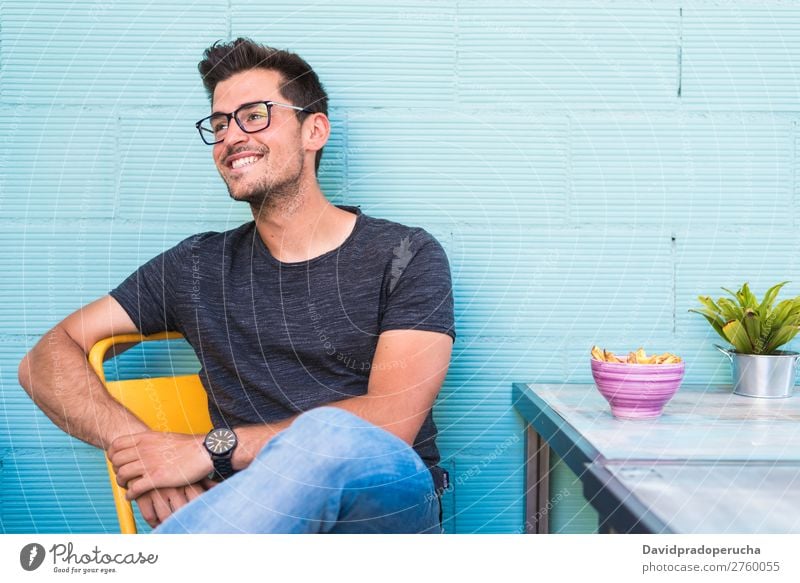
[770,376]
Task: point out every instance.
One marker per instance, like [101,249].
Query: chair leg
[127,523]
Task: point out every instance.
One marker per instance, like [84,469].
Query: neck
[306,228]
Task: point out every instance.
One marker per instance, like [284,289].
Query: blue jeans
[330,471]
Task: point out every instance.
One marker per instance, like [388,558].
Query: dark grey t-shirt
[275,339]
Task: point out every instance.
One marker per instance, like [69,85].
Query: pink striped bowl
[637,391]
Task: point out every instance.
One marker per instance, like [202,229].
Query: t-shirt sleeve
[149,295]
[420,294]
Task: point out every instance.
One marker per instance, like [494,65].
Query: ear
[316,131]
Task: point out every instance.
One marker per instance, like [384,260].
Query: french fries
[638,357]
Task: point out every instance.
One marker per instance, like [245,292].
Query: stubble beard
[268,196]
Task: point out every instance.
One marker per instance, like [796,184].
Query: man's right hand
[159,504]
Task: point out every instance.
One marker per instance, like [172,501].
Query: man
[324,336]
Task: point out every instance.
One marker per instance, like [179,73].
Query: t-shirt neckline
[265,252]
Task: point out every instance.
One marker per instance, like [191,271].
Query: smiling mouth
[244,162]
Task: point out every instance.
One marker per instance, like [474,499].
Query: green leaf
[766,332]
[781,337]
[730,311]
[735,295]
[749,299]
[794,312]
[769,298]
[714,320]
[709,304]
[752,325]
[781,313]
[708,313]
[735,334]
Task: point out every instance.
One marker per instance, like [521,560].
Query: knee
[337,434]
[331,445]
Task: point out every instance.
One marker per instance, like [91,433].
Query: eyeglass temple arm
[303,109]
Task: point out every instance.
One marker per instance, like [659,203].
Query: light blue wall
[590,167]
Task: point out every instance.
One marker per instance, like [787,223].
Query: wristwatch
[220,443]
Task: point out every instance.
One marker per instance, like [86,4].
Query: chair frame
[177,404]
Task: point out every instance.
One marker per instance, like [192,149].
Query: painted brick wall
[590,167]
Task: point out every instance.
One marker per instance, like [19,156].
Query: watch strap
[223,468]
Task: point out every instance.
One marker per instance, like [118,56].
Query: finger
[122,457]
[139,486]
[148,511]
[122,442]
[193,491]
[161,504]
[129,472]
[178,499]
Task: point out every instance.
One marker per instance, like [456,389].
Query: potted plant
[756,330]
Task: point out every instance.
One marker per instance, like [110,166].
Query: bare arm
[58,377]
[407,372]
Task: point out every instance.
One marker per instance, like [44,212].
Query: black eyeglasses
[250,117]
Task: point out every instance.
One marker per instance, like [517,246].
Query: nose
[234,135]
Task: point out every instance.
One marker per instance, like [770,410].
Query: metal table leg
[537,486]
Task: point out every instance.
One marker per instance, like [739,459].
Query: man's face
[273,158]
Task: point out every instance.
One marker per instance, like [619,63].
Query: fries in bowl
[637,357]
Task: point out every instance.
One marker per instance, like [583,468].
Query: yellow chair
[177,404]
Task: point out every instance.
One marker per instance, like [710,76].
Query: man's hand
[159,504]
[153,459]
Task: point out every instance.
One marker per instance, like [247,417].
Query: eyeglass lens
[252,118]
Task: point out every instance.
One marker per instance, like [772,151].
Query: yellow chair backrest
[177,404]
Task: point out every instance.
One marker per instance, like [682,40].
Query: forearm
[57,376]
[395,414]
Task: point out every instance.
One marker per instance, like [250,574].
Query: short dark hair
[301,86]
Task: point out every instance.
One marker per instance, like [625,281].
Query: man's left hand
[153,459]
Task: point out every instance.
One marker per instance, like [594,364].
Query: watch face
[220,441]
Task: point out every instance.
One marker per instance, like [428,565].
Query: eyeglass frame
[235,117]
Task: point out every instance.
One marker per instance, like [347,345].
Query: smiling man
[324,336]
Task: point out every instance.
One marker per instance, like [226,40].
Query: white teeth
[244,161]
